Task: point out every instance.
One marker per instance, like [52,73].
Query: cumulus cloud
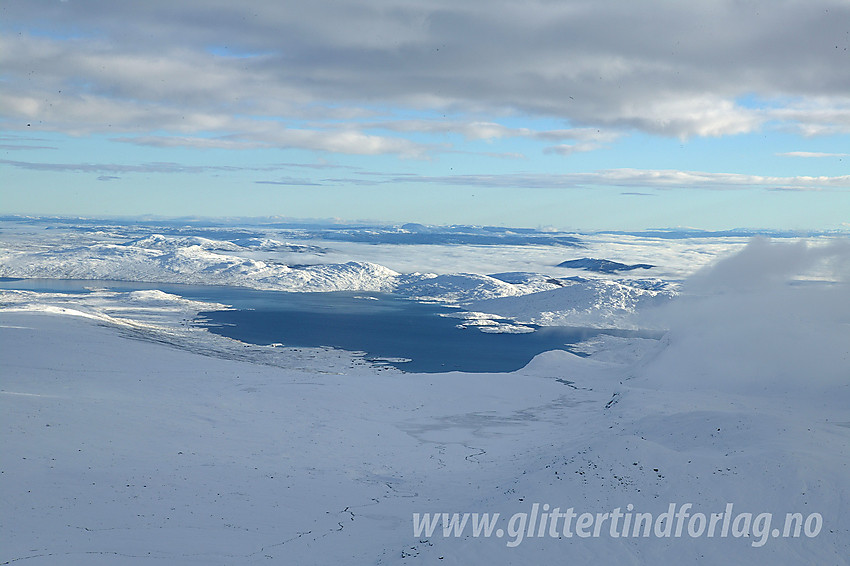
[675,69]
[815,115]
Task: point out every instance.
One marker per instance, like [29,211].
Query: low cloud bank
[775,317]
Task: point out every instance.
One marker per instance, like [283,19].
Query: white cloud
[336,141]
[569,149]
[763,263]
[683,116]
[815,116]
[647,178]
[157,167]
[674,69]
[486,130]
[756,322]
[811,154]
[184,93]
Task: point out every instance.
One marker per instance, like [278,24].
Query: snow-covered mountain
[237,262]
[133,437]
[189,260]
[582,302]
[127,451]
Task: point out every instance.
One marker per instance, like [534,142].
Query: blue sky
[573,114]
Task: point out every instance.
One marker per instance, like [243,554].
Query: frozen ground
[129,438]
[487,275]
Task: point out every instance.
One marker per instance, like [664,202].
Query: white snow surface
[149,309]
[266,263]
[126,451]
[588,302]
[131,439]
[191,264]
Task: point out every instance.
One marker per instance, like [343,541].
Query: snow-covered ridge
[192,264]
[161,242]
[149,309]
[582,302]
[268,264]
[116,451]
[263,262]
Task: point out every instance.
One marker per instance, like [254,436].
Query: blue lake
[379,324]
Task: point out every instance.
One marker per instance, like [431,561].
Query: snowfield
[192,264]
[582,302]
[130,438]
[558,297]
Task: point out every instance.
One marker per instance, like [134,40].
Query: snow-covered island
[132,435]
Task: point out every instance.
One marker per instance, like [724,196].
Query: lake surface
[385,327]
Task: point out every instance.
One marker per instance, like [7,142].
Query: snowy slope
[582,302]
[121,451]
[123,444]
[189,264]
[197,260]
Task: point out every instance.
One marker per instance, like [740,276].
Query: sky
[569,114]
